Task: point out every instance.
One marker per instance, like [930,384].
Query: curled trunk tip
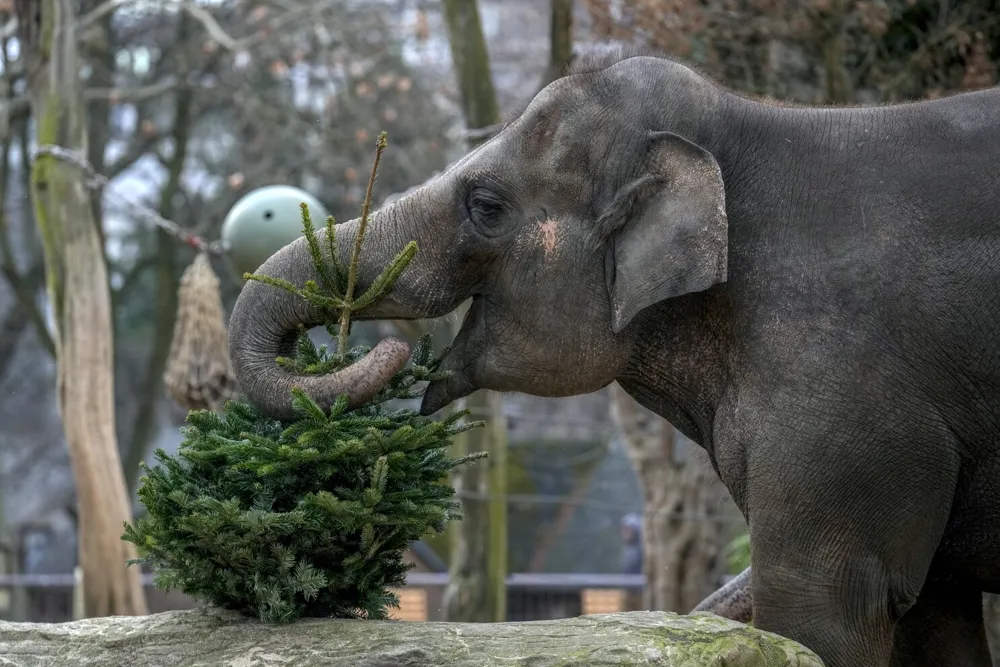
[366,377]
[360,381]
[263,326]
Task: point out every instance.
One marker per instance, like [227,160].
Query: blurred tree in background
[816,51]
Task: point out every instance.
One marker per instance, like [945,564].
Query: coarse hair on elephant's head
[594,203]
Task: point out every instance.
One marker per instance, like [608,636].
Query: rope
[99,183]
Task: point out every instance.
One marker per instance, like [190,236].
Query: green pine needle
[314,251]
[384,283]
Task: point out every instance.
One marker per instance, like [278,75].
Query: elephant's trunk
[266,320]
[733,601]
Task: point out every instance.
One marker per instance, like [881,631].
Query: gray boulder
[214,638]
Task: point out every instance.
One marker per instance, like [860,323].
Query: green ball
[264,221]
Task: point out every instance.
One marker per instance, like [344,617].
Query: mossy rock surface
[214,638]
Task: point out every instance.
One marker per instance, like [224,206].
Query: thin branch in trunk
[352,275]
[13,325]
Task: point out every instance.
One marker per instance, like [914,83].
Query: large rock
[213,638]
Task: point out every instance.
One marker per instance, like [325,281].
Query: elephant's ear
[667,232]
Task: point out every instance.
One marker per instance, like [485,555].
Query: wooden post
[77,283]
[78,608]
[498,555]
[477,583]
[681,554]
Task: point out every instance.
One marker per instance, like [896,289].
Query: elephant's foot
[733,601]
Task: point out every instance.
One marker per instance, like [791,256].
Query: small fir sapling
[311,517]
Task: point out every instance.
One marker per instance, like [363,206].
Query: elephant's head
[577,216]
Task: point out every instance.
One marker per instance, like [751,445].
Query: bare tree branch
[13,108]
[9,29]
[200,14]
[131,279]
[24,290]
[139,94]
[208,21]
[17,109]
[142,145]
[18,319]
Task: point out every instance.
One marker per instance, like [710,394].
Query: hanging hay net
[199,375]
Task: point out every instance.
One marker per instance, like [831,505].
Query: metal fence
[48,598]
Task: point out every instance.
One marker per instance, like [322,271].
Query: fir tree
[308,518]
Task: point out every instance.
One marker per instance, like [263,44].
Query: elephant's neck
[677,367]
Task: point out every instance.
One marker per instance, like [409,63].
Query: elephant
[810,293]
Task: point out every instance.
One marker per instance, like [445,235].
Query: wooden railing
[533,596]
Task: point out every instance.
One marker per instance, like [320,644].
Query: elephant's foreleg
[840,579]
[944,627]
[733,601]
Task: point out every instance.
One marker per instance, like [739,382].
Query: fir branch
[331,239]
[274,282]
[314,251]
[336,498]
[352,274]
[387,279]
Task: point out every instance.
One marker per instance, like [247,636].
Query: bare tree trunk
[477,582]
[97,52]
[144,426]
[476,590]
[682,521]
[560,41]
[467,596]
[471,61]
[498,557]
[829,23]
[23,313]
[77,282]
[25,286]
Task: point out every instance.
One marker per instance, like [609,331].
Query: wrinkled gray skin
[810,294]
[733,601]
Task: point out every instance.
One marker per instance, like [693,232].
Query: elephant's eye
[485,207]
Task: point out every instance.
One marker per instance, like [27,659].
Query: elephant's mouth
[461,360]
[388,308]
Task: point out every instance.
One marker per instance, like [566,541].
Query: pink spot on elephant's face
[549,235]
